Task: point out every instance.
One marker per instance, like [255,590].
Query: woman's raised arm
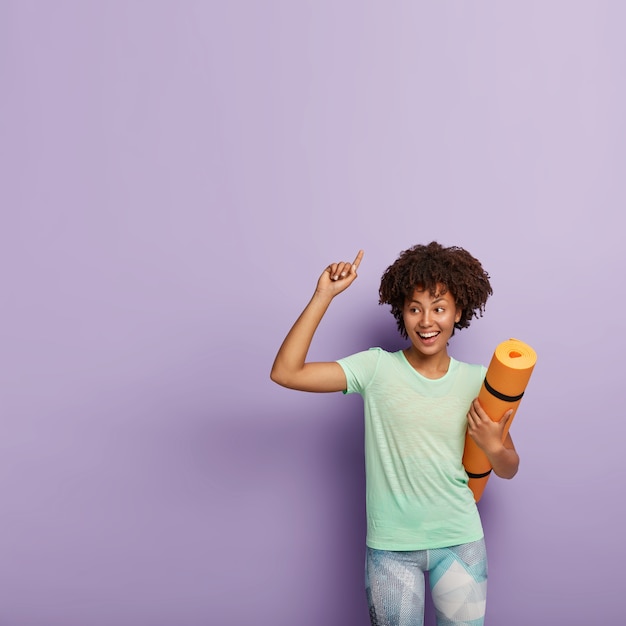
[290,368]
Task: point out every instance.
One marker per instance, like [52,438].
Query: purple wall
[175,176]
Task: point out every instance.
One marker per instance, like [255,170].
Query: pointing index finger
[357,261]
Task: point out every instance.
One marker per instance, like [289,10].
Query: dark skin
[291,369]
[429,356]
[429,319]
[488,437]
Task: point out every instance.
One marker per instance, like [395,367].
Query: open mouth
[428,335]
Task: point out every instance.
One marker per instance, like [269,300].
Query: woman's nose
[424,320]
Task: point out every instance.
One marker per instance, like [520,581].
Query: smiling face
[429,320]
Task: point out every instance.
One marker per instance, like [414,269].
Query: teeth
[427,335]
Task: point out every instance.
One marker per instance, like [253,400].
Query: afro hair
[439,270]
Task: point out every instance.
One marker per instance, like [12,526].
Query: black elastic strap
[501,396]
[470,475]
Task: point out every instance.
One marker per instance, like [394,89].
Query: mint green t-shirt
[417,496]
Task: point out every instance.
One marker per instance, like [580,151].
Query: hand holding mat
[502,390]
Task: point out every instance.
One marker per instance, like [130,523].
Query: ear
[457,317]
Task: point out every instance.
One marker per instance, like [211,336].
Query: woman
[419,403]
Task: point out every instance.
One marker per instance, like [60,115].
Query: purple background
[175,176]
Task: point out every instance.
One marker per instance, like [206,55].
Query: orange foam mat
[504,385]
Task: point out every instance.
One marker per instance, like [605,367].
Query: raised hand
[291,369]
[338,276]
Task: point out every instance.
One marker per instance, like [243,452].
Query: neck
[430,366]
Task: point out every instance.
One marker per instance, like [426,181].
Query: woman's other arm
[489,437]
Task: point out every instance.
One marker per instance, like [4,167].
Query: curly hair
[430,266]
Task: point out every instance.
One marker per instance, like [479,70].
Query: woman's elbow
[282,377]
[276,377]
[506,472]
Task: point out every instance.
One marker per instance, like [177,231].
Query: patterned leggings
[458,581]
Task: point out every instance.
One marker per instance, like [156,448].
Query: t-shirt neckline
[451,367]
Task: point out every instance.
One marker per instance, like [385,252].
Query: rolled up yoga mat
[504,385]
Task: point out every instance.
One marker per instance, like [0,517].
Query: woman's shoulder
[470,369]
[373,353]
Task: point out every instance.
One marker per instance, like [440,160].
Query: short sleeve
[360,368]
